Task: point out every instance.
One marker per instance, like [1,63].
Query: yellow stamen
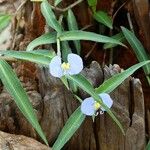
[97,105]
[65,66]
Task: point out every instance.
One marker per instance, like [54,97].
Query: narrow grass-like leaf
[92,2]
[110,84]
[47,38]
[137,47]
[50,16]
[57,2]
[4,21]
[73,86]
[83,35]
[42,57]
[103,18]
[84,84]
[72,24]
[65,50]
[72,124]
[13,86]
[148,146]
[119,37]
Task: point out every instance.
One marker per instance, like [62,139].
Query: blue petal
[76,64]
[106,100]
[55,67]
[87,106]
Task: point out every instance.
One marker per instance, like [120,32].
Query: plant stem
[115,14]
[58,47]
[130,22]
[68,7]
[19,8]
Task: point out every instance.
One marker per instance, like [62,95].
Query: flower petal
[76,64]
[87,106]
[55,67]
[106,100]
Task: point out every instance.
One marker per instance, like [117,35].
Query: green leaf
[119,37]
[57,2]
[92,3]
[83,35]
[42,57]
[84,84]
[72,124]
[103,18]
[148,146]
[72,24]
[47,38]
[110,84]
[137,47]
[73,86]
[4,21]
[65,50]
[13,86]
[50,16]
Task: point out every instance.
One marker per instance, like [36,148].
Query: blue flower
[72,67]
[89,106]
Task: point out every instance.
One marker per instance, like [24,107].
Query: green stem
[58,47]
[65,82]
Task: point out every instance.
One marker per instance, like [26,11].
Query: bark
[19,142]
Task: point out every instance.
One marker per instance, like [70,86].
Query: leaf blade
[72,24]
[119,37]
[92,4]
[103,18]
[72,124]
[148,146]
[83,35]
[50,16]
[42,57]
[4,21]
[137,47]
[14,87]
[57,2]
[110,84]
[47,38]
[84,84]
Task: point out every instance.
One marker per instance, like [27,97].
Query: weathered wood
[129,108]
[58,104]
[19,142]
[54,104]
[141,12]
[148,122]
